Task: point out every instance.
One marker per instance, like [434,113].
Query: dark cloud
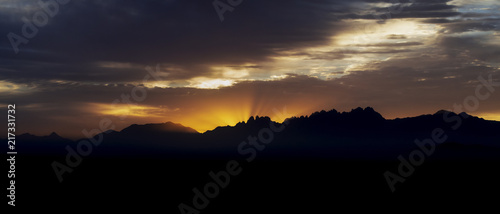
[186,34]
[395,36]
[436,21]
[399,44]
[407,9]
[346,53]
[472,25]
[474,47]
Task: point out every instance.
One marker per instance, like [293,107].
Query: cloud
[476,46]
[398,44]
[186,35]
[406,9]
[397,87]
[395,36]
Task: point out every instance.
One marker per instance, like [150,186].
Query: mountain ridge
[356,114]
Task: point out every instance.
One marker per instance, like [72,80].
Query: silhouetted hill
[157,128]
[45,145]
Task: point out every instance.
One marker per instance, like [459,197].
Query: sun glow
[489,116]
[222,108]
[236,108]
[207,83]
[125,110]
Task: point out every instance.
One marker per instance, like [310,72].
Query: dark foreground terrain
[327,162]
[264,186]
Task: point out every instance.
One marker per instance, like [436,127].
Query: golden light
[222,108]
[120,110]
[367,32]
[489,116]
[207,83]
[13,88]
[230,110]
[7,86]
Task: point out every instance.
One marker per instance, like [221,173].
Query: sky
[69,64]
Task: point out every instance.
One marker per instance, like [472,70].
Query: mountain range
[360,133]
[316,162]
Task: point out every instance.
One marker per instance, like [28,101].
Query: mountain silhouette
[157,128]
[344,154]
[360,133]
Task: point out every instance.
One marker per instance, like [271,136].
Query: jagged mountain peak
[258,119]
